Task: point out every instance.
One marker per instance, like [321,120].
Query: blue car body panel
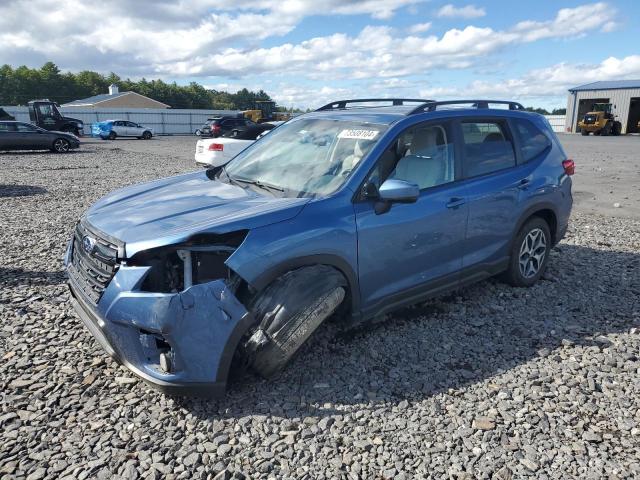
[101,129]
[454,233]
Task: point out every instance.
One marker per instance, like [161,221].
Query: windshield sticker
[359,134]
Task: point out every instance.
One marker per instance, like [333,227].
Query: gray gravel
[488,382]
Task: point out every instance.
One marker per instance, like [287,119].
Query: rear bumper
[198,329]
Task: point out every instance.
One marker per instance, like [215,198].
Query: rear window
[487,148]
[532,141]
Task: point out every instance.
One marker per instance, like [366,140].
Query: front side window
[532,141]
[427,157]
[487,147]
[306,157]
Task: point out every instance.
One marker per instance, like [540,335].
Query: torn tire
[289,311]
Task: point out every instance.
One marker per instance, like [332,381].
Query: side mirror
[398,191]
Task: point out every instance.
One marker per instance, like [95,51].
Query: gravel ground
[488,382]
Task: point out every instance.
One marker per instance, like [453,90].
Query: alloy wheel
[532,253]
[61,145]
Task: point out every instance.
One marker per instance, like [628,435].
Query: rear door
[493,180]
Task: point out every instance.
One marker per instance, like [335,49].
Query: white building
[624,95]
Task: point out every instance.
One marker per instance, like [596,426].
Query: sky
[306,53]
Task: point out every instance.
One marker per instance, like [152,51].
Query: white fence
[163,121]
[557,122]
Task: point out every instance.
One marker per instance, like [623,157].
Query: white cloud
[568,23]
[468,11]
[420,27]
[553,81]
[382,52]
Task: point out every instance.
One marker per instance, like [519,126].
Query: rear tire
[288,312]
[147,136]
[61,145]
[617,129]
[529,254]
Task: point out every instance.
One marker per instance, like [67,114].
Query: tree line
[21,84]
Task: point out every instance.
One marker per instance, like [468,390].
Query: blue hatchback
[351,211]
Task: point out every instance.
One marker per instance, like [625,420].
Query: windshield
[306,157]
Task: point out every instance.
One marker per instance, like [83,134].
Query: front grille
[589,119]
[92,270]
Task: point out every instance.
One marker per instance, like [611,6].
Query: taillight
[569,167]
[216,147]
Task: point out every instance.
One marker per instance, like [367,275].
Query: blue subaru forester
[351,211]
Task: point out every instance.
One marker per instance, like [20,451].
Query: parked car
[344,212]
[215,152]
[4,115]
[112,129]
[233,126]
[25,136]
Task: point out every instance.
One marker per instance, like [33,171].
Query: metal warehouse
[624,95]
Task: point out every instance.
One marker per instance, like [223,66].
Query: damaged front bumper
[182,343]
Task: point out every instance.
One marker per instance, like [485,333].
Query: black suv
[231,126]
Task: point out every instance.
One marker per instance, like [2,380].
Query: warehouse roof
[105,97]
[607,85]
[95,99]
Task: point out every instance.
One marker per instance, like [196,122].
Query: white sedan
[214,152]
[125,128]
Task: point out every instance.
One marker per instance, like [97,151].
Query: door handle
[456,202]
[523,184]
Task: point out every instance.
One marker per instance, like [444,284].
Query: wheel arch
[340,264]
[547,212]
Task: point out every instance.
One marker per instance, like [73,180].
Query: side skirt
[433,288]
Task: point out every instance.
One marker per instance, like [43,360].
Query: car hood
[172,209]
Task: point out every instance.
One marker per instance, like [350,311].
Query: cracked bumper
[199,328]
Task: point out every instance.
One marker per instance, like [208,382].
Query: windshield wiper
[257,183]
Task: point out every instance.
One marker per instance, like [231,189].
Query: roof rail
[342,104]
[432,106]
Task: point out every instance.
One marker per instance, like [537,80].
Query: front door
[29,137]
[412,248]
[133,130]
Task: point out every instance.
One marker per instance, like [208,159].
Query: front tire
[61,145]
[529,254]
[584,132]
[112,135]
[289,311]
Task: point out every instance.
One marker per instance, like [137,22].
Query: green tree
[21,84]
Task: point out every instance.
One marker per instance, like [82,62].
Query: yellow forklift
[600,121]
[265,111]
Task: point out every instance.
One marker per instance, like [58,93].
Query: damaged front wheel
[289,311]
